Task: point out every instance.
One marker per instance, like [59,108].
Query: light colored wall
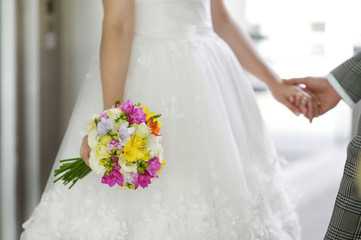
[80,40]
[8,123]
[29,80]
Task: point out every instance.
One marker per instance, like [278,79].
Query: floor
[315,181]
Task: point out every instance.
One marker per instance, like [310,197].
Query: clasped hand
[315,98]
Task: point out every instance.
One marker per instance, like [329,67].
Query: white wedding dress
[222,177]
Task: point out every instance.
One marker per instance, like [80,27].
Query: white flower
[92,138]
[114,114]
[94,164]
[142,130]
[105,125]
[124,133]
[127,166]
[154,146]
[91,123]
[129,177]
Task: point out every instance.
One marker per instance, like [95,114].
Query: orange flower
[155,129]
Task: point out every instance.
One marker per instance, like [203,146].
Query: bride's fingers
[316,110]
[291,99]
[311,110]
[298,100]
[303,105]
[315,102]
[307,108]
[292,107]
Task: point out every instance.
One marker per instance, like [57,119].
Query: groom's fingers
[314,96]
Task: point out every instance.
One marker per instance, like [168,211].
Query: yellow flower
[137,141]
[160,124]
[101,151]
[146,152]
[151,114]
[146,111]
[132,151]
[105,139]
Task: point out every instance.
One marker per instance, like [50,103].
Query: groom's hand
[326,95]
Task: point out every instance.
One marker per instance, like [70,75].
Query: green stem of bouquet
[72,170]
[82,173]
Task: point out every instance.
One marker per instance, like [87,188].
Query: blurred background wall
[48,46]
[8,153]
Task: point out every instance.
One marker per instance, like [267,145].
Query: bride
[222,180]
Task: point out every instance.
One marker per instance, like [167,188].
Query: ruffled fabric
[222,179]
[196,214]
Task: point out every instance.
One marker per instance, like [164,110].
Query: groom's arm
[346,80]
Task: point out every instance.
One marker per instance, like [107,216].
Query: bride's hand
[85,150]
[304,102]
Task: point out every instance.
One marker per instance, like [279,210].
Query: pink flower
[113,158]
[114,145]
[137,116]
[153,167]
[103,115]
[115,177]
[127,107]
[144,179]
[131,178]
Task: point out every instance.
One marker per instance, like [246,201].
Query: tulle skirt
[222,178]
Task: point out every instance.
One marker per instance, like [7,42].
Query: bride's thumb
[293,81]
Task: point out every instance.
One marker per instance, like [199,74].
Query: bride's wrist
[273,84]
[271,79]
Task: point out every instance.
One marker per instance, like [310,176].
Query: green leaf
[143,164]
[123,116]
[117,119]
[141,170]
[112,133]
[130,186]
[156,116]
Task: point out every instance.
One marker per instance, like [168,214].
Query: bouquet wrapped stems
[72,170]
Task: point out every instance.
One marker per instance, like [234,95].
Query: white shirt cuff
[339,89]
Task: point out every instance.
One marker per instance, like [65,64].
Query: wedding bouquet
[125,148]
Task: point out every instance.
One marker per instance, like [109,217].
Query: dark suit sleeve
[348,76]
